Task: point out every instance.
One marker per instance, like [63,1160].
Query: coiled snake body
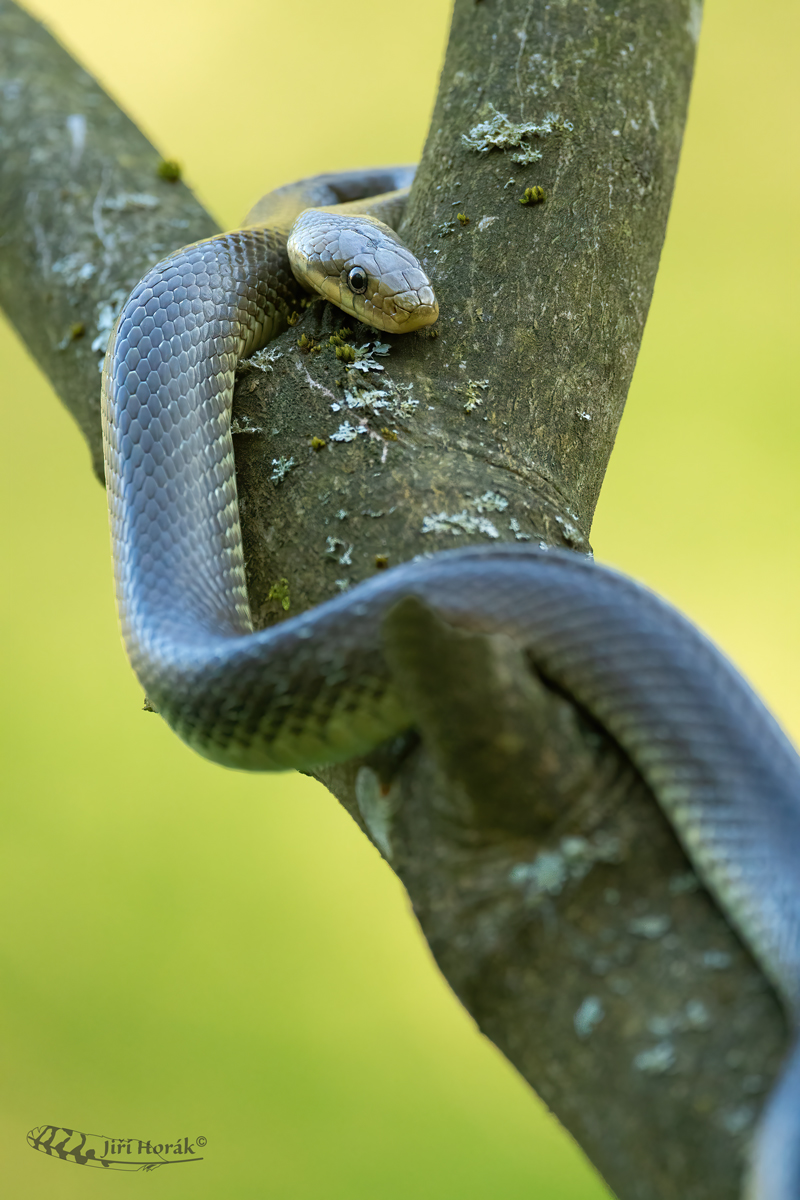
[316,688]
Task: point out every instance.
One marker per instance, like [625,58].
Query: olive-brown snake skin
[316,688]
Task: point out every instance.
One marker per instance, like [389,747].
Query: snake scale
[316,688]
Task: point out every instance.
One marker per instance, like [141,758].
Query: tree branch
[85,213]
[548,884]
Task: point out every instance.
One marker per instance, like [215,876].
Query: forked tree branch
[548,884]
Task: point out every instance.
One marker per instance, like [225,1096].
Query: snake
[316,688]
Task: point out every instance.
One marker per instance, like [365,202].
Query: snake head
[359,264]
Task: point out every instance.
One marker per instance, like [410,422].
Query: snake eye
[357,280]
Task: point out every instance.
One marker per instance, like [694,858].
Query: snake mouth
[407,318]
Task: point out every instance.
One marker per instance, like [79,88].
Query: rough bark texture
[548,884]
[83,213]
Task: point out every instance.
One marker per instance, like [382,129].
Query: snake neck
[167,394]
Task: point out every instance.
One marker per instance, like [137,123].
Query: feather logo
[115,1154]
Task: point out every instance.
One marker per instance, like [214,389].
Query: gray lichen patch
[124,201]
[262,360]
[572,860]
[393,399]
[341,551]
[697,1015]
[458,524]
[693,1017]
[242,423]
[546,875]
[588,1016]
[695,21]
[498,132]
[376,805]
[107,313]
[281,468]
[362,398]
[652,926]
[75,268]
[655,1060]
[572,535]
[490,502]
[347,432]
[446,228]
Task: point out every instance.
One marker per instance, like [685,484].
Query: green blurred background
[188,951]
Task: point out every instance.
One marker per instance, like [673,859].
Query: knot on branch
[521,753]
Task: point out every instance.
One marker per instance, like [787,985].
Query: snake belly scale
[316,688]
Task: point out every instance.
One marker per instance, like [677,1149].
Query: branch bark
[85,213]
[549,886]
